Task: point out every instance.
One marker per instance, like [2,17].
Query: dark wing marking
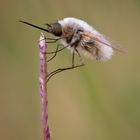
[103,40]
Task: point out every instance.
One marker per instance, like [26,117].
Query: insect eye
[55,29]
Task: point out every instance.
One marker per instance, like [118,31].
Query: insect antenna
[48,24]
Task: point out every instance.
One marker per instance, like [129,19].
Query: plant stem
[43,86]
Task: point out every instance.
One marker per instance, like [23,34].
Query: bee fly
[78,36]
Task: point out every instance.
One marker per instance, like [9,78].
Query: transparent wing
[104,40]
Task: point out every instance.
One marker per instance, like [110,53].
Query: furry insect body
[78,36]
[89,41]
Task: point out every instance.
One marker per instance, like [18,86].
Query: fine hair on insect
[79,37]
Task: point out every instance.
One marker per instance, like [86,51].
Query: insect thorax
[69,32]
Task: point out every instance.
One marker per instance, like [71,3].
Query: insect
[79,37]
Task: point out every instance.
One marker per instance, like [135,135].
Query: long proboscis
[30,24]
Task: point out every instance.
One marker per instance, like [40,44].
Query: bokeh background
[100,101]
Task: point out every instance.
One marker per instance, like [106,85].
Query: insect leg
[55,52]
[72,44]
[52,40]
[81,60]
[61,69]
[73,55]
[64,69]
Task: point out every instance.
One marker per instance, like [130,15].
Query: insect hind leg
[64,69]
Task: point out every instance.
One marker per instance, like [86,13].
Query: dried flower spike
[43,86]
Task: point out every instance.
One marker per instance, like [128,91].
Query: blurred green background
[100,101]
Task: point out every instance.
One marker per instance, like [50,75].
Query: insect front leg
[59,50]
[53,40]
